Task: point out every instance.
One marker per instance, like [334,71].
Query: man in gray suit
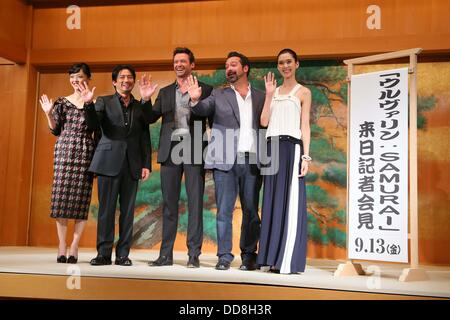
[232,154]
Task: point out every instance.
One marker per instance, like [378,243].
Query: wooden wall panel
[14,23]
[259,28]
[16,135]
[13,18]
[16,145]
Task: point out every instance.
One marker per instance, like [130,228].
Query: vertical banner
[378,166]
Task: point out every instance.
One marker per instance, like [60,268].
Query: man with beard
[180,151]
[232,154]
[121,158]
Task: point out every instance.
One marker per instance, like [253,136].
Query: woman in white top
[284,218]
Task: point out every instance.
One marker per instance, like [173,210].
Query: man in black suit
[180,151]
[122,157]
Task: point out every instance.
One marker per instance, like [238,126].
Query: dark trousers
[245,180]
[124,188]
[171,175]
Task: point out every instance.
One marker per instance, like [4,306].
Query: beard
[232,77]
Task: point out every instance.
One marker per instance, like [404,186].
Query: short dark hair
[75,68]
[244,59]
[290,51]
[120,67]
[185,50]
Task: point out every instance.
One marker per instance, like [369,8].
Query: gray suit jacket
[222,103]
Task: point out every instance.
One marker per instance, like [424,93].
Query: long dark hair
[290,51]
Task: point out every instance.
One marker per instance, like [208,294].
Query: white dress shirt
[246,138]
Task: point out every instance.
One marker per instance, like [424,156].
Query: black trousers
[171,176]
[124,188]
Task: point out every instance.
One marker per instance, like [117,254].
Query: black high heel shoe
[72,260]
[61,259]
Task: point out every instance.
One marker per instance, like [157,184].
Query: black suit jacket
[165,105]
[117,141]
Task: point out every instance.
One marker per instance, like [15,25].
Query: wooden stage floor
[31,272]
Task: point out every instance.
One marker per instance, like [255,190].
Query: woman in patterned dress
[72,183]
[284,218]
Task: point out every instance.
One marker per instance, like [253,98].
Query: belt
[178,138]
[244,154]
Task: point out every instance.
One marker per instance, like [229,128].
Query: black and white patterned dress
[74,148]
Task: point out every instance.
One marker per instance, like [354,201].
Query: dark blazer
[165,106]
[116,141]
[223,105]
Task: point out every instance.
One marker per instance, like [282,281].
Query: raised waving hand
[194,90]
[46,105]
[146,87]
[86,94]
[270,83]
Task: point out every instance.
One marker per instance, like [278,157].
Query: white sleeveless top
[285,114]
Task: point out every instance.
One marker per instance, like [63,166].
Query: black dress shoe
[61,259]
[100,261]
[161,261]
[248,266]
[223,265]
[123,261]
[193,262]
[72,260]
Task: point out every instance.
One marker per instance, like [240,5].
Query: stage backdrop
[326,181]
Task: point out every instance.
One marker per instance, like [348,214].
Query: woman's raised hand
[86,94]
[47,105]
[270,83]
